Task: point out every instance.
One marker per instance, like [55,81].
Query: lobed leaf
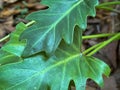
[54,73]
[56,23]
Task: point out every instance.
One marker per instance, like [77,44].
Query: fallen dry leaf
[10,1]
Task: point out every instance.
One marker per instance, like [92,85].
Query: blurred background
[106,21]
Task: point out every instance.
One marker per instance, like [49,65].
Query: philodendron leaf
[13,49]
[55,73]
[56,23]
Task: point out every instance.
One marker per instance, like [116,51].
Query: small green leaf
[13,49]
[14,45]
[56,23]
[56,72]
[6,57]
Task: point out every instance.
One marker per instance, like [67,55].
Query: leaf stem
[108,4]
[4,38]
[92,48]
[110,9]
[98,36]
[104,44]
[30,23]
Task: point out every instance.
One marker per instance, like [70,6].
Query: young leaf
[56,23]
[13,49]
[14,45]
[6,57]
[55,73]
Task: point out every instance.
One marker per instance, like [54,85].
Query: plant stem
[30,23]
[110,9]
[98,36]
[108,4]
[4,38]
[104,44]
[91,48]
[8,36]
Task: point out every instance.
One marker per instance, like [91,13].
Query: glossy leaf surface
[56,72]
[56,23]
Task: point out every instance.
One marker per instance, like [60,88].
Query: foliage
[56,23]
[12,50]
[26,60]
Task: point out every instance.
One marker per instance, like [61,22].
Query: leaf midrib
[50,67]
[54,24]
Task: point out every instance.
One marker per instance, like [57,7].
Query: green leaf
[13,49]
[16,46]
[38,74]
[6,57]
[55,73]
[56,23]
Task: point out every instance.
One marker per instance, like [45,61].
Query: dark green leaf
[56,23]
[55,73]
